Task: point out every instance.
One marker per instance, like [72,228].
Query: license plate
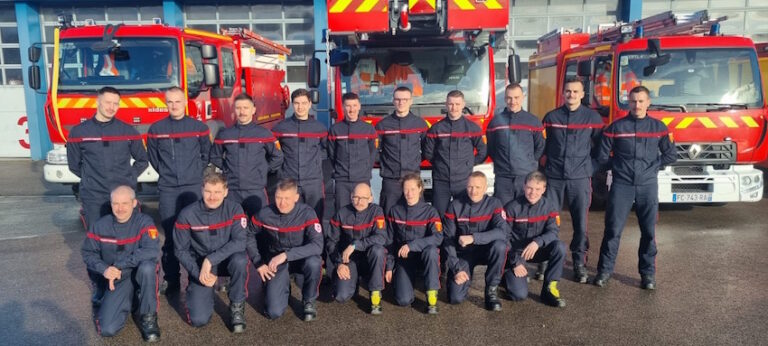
[692,197]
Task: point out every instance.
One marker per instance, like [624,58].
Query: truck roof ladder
[663,24]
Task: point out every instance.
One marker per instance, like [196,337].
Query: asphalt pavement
[712,273]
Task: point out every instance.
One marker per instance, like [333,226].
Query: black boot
[601,279]
[542,269]
[170,287]
[492,301]
[237,317]
[580,273]
[310,312]
[648,282]
[550,295]
[150,331]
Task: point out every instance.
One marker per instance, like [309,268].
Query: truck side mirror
[313,73]
[33,75]
[211,74]
[209,51]
[314,96]
[34,54]
[338,58]
[513,68]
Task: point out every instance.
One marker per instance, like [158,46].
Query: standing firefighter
[178,147]
[246,153]
[641,146]
[401,135]
[99,151]
[572,132]
[352,149]
[515,143]
[454,145]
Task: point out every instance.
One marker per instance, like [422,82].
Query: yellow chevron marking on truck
[340,6]
[707,122]
[81,102]
[464,4]
[366,6]
[157,102]
[729,122]
[63,102]
[123,104]
[138,102]
[493,5]
[685,122]
[749,121]
[666,121]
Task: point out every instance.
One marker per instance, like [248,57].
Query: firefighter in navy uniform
[400,138]
[121,251]
[414,235]
[246,153]
[635,148]
[303,140]
[450,146]
[534,227]
[178,148]
[476,233]
[99,151]
[515,144]
[356,246]
[210,238]
[352,149]
[294,242]
[573,133]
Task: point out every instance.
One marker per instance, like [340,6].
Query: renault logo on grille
[694,151]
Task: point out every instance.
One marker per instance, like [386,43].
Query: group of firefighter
[218,217]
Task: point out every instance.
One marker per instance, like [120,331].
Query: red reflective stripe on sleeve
[244,140]
[182,226]
[352,136]
[574,126]
[178,135]
[404,131]
[515,127]
[119,241]
[290,228]
[454,135]
[637,134]
[412,222]
[301,135]
[450,216]
[104,139]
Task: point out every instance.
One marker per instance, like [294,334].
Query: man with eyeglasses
[355,245]
[400,137]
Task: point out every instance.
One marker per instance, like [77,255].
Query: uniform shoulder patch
[277,145]
[244,222]
[318,228]
[439,226]
[503,214]
[152,232]
[380,223]
[557,220]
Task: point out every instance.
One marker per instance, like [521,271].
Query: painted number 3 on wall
[23,123]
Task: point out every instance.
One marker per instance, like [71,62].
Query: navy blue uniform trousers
[172,200]
[554,252]
[307,274]
[116,305]
[200,297]
[494,255]
[578,193]
[371,264]
[620,200]
[424,264]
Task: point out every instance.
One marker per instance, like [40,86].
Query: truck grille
[689,170]
[691,188]
[723,152]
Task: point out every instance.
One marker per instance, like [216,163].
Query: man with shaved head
[121,252]
[356,246]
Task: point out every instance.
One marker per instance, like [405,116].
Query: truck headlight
[746,180]
[56,157]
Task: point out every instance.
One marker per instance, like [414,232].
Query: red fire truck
[705,86]
[432,47]
[142,61]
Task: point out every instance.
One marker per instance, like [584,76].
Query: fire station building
[297,24]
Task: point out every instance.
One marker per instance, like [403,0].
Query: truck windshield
[699,78]
[126,63]
[430,72]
